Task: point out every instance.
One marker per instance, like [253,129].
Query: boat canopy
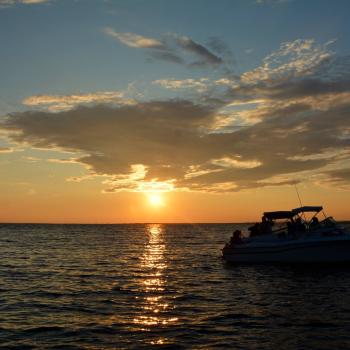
[288,214]
[282,214]
[307,209]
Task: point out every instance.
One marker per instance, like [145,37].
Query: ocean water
[160,286]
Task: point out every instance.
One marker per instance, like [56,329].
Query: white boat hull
[298,251]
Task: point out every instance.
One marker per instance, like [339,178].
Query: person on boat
[314,223]
[266,226]
[236,237]
[299,225]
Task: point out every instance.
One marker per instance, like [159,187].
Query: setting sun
[155,199]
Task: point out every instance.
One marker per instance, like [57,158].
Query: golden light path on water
[153,263]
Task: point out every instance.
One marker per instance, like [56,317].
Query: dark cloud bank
[170,138]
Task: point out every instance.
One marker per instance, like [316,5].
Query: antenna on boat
[301,204]
[296,189]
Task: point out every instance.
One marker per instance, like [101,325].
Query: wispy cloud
[6,150]
[6,3]
[171,47]
[339,177]
[167,55]
[65,102]
[204,55]
[294,59]
[302,72]
[33,1]
[134,40]
[200,85]
[272,2]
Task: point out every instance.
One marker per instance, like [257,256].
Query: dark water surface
[160,286]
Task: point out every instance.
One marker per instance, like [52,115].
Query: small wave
[318,324]
[122,290]
[17,347]
[47,294]
[230,316]
[65,347]
[43,329]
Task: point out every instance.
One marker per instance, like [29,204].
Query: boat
[291,236]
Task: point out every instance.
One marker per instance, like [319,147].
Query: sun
[155,199]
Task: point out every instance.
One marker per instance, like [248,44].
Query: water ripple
[159,286]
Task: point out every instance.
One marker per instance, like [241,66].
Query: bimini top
[282,214]
[288,214]
[307,209]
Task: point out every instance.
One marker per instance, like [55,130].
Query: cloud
[114,137]
[6,3]
[272,2]
[227,162]
[204,55]
[298,58]
[33,1]
[173,48]
[65,102]
[134,40]
[299,75]
[338,177]
[281,127]
[166,55]
[6,150]
[219,46]
[298,69]
[200,85]
[169,141]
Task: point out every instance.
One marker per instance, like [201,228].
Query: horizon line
[137,223]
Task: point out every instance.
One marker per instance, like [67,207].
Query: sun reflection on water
[155,305]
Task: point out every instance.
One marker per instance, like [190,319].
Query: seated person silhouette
[236,237]
[314,223]
[299,225]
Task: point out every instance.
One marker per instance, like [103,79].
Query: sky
[173,111]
